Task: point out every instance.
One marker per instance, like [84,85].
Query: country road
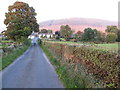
[31,70]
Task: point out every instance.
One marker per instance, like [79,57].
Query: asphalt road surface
[31,70]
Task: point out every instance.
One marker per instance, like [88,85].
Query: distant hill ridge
[77,24]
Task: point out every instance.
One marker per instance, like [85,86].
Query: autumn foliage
[100,64]
[20,21]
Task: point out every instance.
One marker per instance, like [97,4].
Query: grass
[108,46]
[67,42]
[69,79]
[9,58]
[6,41]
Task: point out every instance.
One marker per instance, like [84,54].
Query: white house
[40,35]
[45,35]
[34,34]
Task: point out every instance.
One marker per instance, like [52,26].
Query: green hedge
[99,67]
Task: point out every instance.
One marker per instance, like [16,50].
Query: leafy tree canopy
[89,34]
[112,29]
[66,31]
[20,21]
[111,37]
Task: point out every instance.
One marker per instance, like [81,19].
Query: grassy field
[5,41]
[108,46]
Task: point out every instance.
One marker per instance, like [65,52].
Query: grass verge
[9,58]
[67,77]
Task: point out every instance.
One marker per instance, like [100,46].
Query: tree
[111,29]
[102,37]
[20,21]
[111,37]
[79,34]
[88,35]
[98,35]
[76,36]
[66,32]
[57,35]
[114,29]
[44,31]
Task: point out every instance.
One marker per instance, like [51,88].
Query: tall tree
[111,29]
[97,35]
[89,34]
[66,31]
[20,21]
[114,29]
[79,34]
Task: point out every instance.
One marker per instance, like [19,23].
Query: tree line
[112,34]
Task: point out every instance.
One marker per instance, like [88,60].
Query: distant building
[40,35]
[45,35]
[34,34]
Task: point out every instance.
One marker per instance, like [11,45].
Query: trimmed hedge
[98,66]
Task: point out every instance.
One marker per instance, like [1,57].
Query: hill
[77,24]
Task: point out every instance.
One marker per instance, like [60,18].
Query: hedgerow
[99,67]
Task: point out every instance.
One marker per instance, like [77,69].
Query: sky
[61,9]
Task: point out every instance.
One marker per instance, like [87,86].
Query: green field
[6,41]
[108,46]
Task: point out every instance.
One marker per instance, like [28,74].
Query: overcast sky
[58,9]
